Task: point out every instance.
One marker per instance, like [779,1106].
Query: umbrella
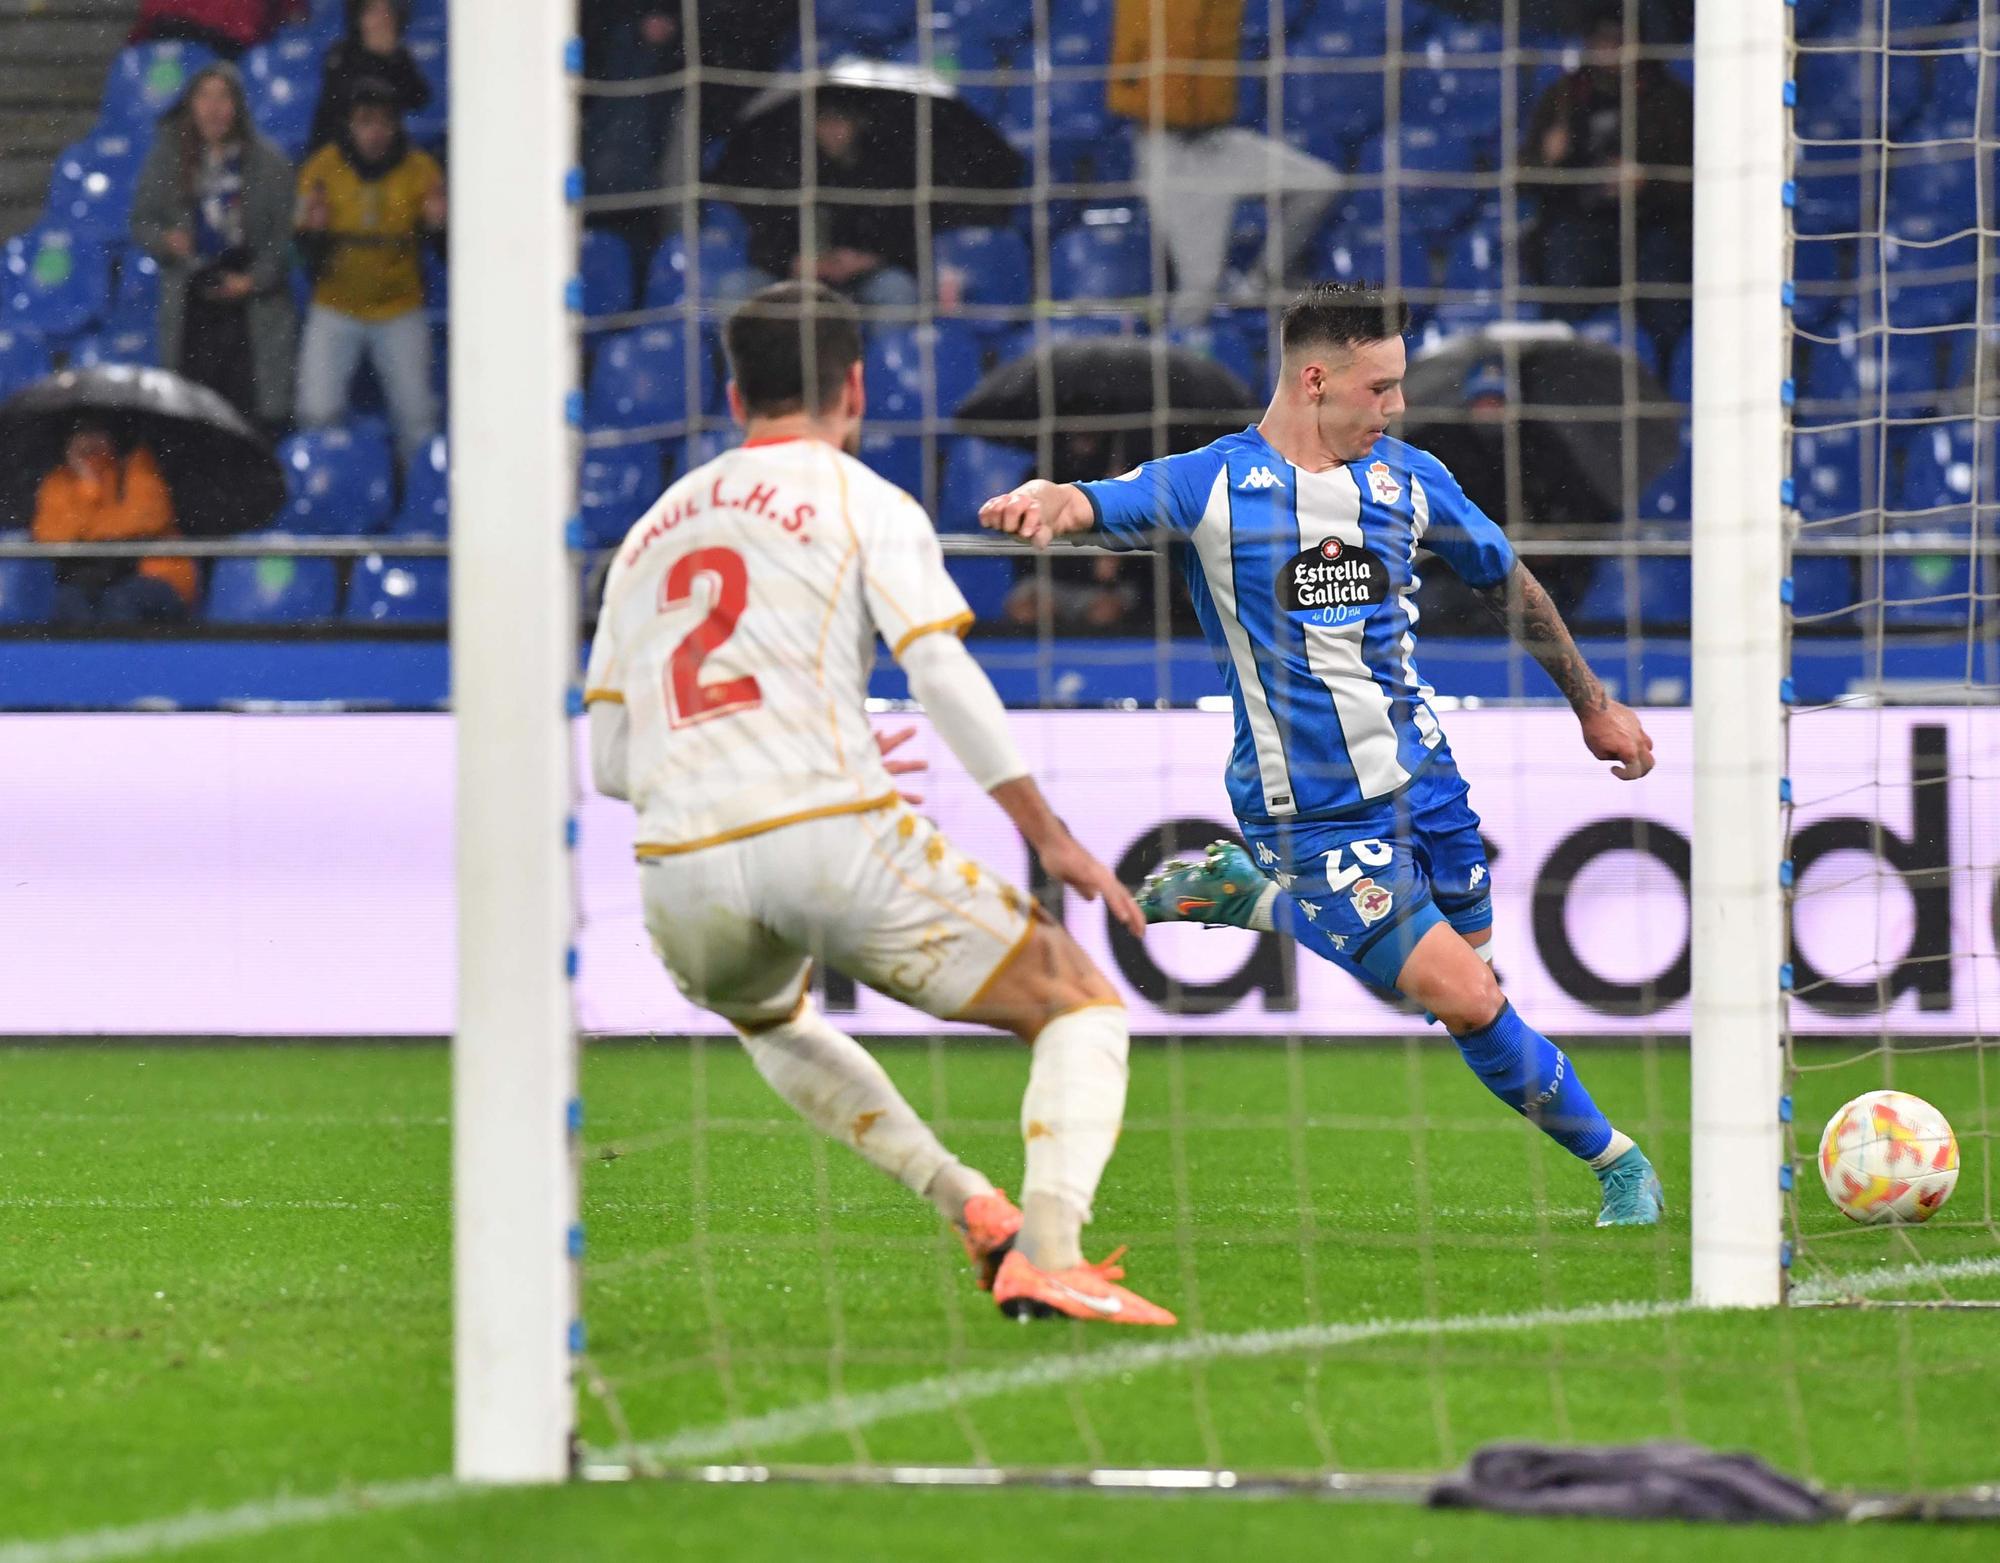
[1572,396]
[220,469]
[764,148]
[1109,385]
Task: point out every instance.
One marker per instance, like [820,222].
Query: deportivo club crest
[1382,484]
[1335,583]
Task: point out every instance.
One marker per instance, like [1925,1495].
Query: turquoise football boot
[1632,1193]
[1221,891]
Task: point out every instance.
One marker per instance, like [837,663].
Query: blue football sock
[1534,1077]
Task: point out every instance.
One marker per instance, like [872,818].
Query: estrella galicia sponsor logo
[1335,583]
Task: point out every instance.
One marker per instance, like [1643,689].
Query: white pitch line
[152,1538]
[776,1429]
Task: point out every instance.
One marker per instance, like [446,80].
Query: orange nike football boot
[987,1229]
[1088,1292]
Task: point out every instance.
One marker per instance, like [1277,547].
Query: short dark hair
[1342,314]
[777,332]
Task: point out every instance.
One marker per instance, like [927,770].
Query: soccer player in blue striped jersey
[1303,533]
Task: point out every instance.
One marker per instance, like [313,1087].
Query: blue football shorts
[1372,883]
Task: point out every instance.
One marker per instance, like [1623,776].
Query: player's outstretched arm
[1611,731]
[968,716]
[1039,511]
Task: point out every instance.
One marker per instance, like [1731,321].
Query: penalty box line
[151,1538]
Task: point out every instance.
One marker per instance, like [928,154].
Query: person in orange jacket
[99,496]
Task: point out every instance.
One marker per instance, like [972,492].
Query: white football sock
[1618,1145]
[1070,1118]
[835,1084]
[1263,916]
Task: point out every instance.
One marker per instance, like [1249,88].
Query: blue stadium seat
[1437,188]
[974,471]
[1950,108]
[1939,471]
[398,591]
[897,457]
[1827,474]
[1332,107]
[1930,284]
[896,395]
[1609,328]
[1822,586]
[1221,339]
[90,192]
[701,448]
[24,359]
[1106,256]
[1929,589]
[1827,191]
[27,587]
[719,255]
[326,20]
[1359,252]
[130,345]
[1680,372]
[615,486]
[990,268]
[1460,84]
[1932,194]
[145,81]
[1822,21]
[606,268]
[1664,591]
[867,21]
[281,79]
[58,282]
[640,378]
[426,507]
[1475,263]
[1909,16]
[427,127]
[894,366]
[275,589]
[338,482]
[1079,45]
[984,583]
[1002,21]
[1832,89]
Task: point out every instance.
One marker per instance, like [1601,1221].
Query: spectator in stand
[368,203]
[373,50]
[867,251]
[1195,161]
[1094,592]
[226,26]
[100,496]
[625,137]
[1577,133]
[214,207]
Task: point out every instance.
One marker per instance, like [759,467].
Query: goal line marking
[794,1424]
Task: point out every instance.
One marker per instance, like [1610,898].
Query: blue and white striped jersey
[1304,583]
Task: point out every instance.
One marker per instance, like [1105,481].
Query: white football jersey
[738,629]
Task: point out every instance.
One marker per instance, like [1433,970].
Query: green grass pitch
[226,1279]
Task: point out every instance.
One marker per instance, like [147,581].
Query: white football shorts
[881,896]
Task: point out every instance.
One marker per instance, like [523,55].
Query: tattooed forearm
[1540,629]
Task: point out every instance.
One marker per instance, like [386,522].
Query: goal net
[1378,1267]
[1894,754]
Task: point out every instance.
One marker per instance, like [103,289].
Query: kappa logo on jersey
[1478,876]
[1382,484]
[1311,909]
[1371,902]
[1260,478]
[1265,855]
[1333,583]
[1337,940]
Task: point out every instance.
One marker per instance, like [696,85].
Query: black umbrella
[220,469]
[1572,396]
[764,150]
[1130,388]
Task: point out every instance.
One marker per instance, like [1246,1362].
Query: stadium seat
[894,365]
[1106,256]
[1359,253]
[24,359]
[426,507]
[605,265]
[27,587]
[1229,345]
[719,256]
[640,378]
[1827,483]
[326,20]
[1335,98]
[1460,84]
[984,583]
[1436,186]
[398,591]
[1610,328]
[135,300]
[338,482]
[90,191]
[58,283]
[1939,471]
[1827,191]
[866,21]
[703,446]
[1928,589]
[984,268]
[130,345]
[1664,591]
[1950,108]
[1080,47]
[1669,498]
[896,395]
[427,127]
[274,589]
[281,79]
[145,81]
[1475,262]
[1832,87]
[615,486]
[1680,371]
[974,471]
[897,457]
[1822,587]
[1926,16]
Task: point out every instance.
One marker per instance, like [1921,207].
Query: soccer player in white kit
[726,691]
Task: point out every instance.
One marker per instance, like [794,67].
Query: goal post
[514,662]
[1736,923]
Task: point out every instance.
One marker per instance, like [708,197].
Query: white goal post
[1737,915]
[514,662]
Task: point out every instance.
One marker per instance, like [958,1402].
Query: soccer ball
[1888,1156]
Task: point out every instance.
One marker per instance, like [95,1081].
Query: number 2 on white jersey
[689,700]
